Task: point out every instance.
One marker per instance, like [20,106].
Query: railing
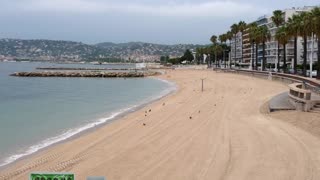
[300,87]
[310,84]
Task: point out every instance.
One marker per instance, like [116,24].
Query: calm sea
[38,112]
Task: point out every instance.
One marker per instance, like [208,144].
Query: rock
[101,74]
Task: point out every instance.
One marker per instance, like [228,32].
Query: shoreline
[114,116]
[218,133]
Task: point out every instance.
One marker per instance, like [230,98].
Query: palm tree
[229,36]
[226,49]
[293,31]
[206,51]
[258,42]
[315,13]
[252,36]
[309,30]
[217,49]
[199,55]
[213,39]
[263,36]
[223,39]
[278,20]
[241,27]
[305,30]
[235,30]
[283,38]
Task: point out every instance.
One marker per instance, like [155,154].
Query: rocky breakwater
[93,74]
[84,69]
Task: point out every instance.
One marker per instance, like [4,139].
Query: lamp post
[277,60]
[311,60]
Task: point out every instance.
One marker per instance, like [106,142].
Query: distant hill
[141,48]
[51,50]
[48,50]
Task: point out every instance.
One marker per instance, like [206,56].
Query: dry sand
[221,133]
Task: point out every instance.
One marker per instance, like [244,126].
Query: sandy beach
[221,133]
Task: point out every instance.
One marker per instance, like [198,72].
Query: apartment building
[312,49]
[236,48]
[271,46]
[247,48]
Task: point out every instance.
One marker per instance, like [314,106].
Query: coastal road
[223,133]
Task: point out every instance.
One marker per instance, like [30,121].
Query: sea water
[38,112]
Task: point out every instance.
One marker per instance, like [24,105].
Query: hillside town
[48,50]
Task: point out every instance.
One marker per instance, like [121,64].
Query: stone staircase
[316,108]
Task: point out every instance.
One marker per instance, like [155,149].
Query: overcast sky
[156,21]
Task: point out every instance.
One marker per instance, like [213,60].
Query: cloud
[220,8]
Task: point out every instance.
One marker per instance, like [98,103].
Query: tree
[293,31]
[217,49]
[278,20]
[242,26]
[229,36]
[223,39]
[253,27]
[258,41]
[199,55]
[283,38]
[235,30]
[263,36]
[213,39]
[305,30]
[211,54]
[315,13]
[207,51]
[225,55]
[167,58]
[188,56]
[162,59]
[174,60]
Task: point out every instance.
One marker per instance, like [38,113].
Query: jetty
[89,74]
[85,69]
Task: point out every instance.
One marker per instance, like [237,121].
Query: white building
[271,47]
[237,49]
[312,49]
